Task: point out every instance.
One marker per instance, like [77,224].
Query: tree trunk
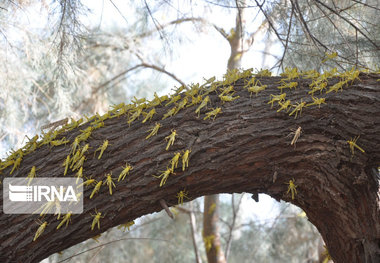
[245,149]
[211,236]
[211,203]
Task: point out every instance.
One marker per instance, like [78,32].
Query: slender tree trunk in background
[236,40]
[245,149]
[211,236]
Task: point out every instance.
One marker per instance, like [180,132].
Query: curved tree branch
[162,70]
[141,65]
[121,75]
[235,153]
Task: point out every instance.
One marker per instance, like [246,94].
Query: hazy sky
[205,54]
[201,55]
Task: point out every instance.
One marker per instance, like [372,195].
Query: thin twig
[193,228]
[118,10]
[233,224]
[55,124]
[287,37]
[367,5]
[337,28]
[42,91]
[348,21]
[357,49]
[269,22]
[162,70]
[253,34]
[229,6]
[114,78]
[271,228]
[96,254]
[305,27]
[114,241]
[166,208]
[174,22]
[156,24]
[121,75]
[144,65]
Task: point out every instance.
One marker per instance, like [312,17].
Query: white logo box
[44,194]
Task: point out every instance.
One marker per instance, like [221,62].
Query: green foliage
[285,237]
[337,34]
[51,73]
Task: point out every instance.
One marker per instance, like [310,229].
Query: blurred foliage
[314,28]
[286,236]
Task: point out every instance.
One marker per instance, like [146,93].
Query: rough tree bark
[215,253]
[245,149]
[211,202]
